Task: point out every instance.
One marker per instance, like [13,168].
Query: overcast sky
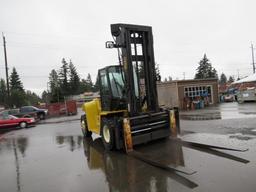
[39,33]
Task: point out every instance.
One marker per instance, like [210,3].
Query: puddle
[241,137]
[244,131]
[235,110]
[39,161]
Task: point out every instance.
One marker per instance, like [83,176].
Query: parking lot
[53,156]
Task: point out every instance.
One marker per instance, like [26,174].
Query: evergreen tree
[74,79]
[89,82]
[96,86]
[231,79]
[223,78]
[63,78]
[158,76]
[15,82]
[87,85]
[56,95]
[205,69]
[17,93]
[3,93]
[18,98]
[83,86]
[46,96]
[32,98]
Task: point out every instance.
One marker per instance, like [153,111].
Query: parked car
[27,112]
[8,121]
[246,95]
[17,113]
[41,113]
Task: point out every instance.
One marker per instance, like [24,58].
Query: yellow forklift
[127,112]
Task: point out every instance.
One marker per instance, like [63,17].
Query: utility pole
[184,75]
[238,75]
[253,64]
[6,71]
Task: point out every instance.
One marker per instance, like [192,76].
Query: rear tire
[107,133]
[41,116]
[84,127]
[23,124]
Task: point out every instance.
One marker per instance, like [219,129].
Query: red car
[8,121]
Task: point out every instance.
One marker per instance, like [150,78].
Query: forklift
[127,112]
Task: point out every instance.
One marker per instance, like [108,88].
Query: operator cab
[112,88]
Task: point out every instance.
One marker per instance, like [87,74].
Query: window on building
[197,91]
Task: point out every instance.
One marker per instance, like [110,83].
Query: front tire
[41,116]
[84,127]
[23,124]
[107,133]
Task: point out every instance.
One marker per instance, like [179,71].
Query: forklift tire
[107,133]
[84,127]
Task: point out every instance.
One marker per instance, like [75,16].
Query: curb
[59,121]
[199,118]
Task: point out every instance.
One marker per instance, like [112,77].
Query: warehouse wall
[171,94]
[168,94]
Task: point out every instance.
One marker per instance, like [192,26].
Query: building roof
[249,78]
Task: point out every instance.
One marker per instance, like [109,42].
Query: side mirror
[110,45]
[158,78]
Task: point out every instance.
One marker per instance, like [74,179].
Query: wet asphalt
[55,157]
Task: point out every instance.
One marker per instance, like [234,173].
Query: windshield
[12,117]
[116,79]
[6,117]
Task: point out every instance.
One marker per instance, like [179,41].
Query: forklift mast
[136,55]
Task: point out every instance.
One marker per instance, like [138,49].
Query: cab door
[105,92]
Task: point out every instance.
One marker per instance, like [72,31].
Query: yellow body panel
[102,113]
[92,110]
[95,159]
[93,113]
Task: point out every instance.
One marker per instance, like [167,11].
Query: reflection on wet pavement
[73,142]
[16,155]
[20,144]
[119,167]
[66,162]
[122,172]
